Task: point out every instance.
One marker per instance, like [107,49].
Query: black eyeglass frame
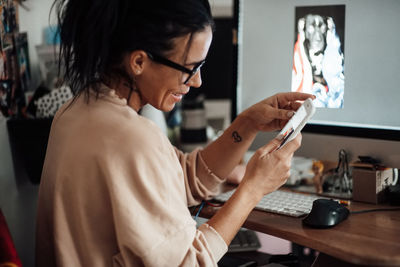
[171,64]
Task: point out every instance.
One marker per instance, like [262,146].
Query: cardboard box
[369,185]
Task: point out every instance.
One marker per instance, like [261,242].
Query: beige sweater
[115,192]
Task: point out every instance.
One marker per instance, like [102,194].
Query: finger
[292,106]
[281,114]
[269,147]
[295,105]
[293,96]
[292,145]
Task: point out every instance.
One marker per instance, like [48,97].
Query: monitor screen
[344,52]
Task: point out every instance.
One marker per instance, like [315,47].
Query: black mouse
[326,213]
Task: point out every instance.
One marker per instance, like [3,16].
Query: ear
[137,60]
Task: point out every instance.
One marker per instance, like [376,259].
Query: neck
[134,101]
[132,95]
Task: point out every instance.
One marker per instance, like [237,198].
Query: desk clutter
[45,102]
[21,96]
[322,177]
[366,179]
[14,61]
[372,183]
[28,107]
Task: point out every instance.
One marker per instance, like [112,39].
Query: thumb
[270,146]
[283,114]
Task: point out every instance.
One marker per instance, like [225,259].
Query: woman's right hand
[268,169]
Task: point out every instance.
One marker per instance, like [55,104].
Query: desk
[367,238]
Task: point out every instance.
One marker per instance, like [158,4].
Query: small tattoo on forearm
[236,137]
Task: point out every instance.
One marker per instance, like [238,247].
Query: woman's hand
[273,113]
[269,168]
[266,171]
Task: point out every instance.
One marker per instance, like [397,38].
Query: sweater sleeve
[152,221]
[200,182]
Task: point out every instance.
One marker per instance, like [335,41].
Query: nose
[195,81]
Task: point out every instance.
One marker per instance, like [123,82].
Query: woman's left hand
[272,113]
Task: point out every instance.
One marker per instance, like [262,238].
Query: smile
[178,96]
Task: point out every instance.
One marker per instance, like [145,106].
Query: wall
[33,21]
[17,195]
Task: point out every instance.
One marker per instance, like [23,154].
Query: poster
[318,54]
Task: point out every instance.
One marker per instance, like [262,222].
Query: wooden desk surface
[371,238]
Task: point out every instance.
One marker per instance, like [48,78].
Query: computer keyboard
[244,240]
[281,202]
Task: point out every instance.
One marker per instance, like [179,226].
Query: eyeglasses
[169,63]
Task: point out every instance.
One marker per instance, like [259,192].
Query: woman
[114,191]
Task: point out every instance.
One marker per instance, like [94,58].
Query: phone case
[297,122]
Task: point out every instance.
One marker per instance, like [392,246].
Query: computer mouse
[326,213]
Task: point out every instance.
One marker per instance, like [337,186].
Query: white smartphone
[297,122]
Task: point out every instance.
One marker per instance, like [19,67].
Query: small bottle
[193,132]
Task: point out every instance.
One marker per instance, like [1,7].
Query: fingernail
[290,114]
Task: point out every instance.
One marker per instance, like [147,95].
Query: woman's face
[163,86]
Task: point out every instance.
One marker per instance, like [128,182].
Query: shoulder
[140,131]
[130,131]
[106,124]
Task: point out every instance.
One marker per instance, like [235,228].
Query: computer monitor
[367,40]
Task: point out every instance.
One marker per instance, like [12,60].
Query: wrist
[246,124]
[249,193]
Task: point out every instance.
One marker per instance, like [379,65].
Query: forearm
[228,220]
[222,155]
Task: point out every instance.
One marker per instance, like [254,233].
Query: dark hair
[96,34]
